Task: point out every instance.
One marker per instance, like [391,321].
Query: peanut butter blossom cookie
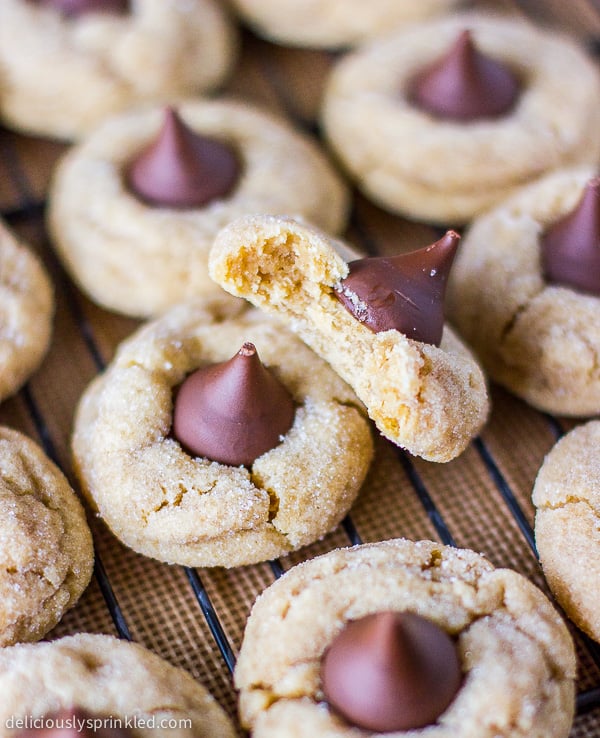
[525,292]
[216,438]
[67,64]
[445,119]
[135,208]
[405,636]
[46,553]
[26,309]
[567,497]
[333,23]
[118,689]
[379,322]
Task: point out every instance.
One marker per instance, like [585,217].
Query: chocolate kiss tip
[234,411]
[570,248]
[182,169]
[80,7]
[403,292]
[465,85]
[391,671]
[248,349]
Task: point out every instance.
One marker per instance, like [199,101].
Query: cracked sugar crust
[106,677]
[566,495]
[440,171]
[517,656]
[140,260]
[164,503]
[334,23]
[46,552]
[429,400]
[540,341]
[26,309]
[61,76]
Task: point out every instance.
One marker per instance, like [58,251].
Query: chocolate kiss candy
[403,292]
[232,412]
[571,247]
[181,169]
[391,671]
[79,7]
[73,723]
[465,85]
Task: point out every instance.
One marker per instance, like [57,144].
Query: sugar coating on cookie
[444,171]
[430,400]
[334,23]
[46,551]
[165,503]
[109,678]
[567,535]
[62,75]
[517,656]
[26,309]
[138,259]
[540,340]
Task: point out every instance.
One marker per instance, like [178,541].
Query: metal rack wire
[30,211]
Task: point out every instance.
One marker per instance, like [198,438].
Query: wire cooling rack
[195,618]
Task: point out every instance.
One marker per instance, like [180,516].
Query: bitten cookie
[333,23]
[97,676]
[26,309]
[567,497]
[515,656]
[66,66]
[420,148]
[537,337]
[217,160]
[46,552]
[430,399]
[158,467]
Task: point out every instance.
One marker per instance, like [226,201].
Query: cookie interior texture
[430,400]
[106,677]
[163,502]
[46,551]
[567,497]
[67,74]
[26,310]
[439,171]
[138,259]
[540,341]
[517,656]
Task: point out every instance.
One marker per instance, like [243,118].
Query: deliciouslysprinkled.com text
[80,723]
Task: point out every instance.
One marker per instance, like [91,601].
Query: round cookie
[60,75]
[165,503]
[567,497]
[426,398]
[333,23]
[430,168]
[26,309]
[46,551]
[540,340]
[110,678]
[138,259]
[517,656]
